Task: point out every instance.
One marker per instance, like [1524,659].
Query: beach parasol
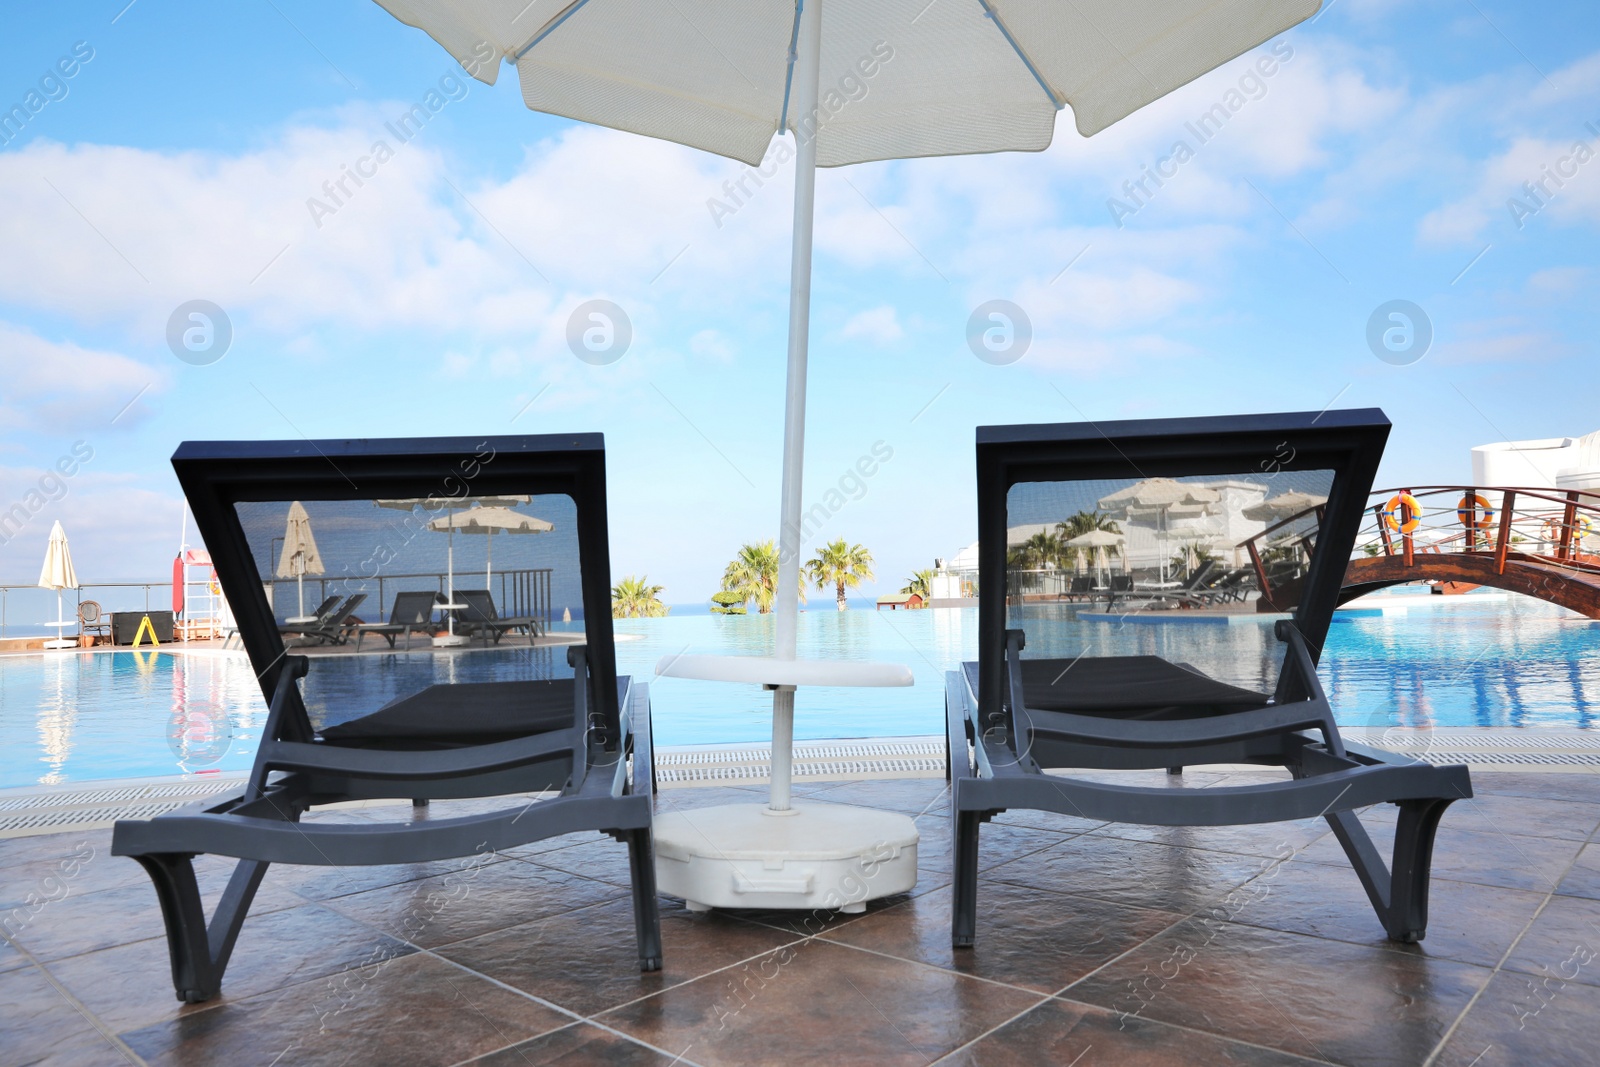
[1283,506]
[490,520]
[904,78]
[1100,541]
[298,558]
[58,574]
[451,504]
[1160,498]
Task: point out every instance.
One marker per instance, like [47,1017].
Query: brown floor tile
[1350,1004]
[1563,943]
[1578,785]
[587,961]
[910,795]
[997,844]
[1583,880]
[1062,1032]
[451,907]
[820,1003]
[1273,840]
[41,1026]
[63,864]
[1025,938]
[708,797]
[325,883]
[593,856]
[1524,816]
[1466,921]
[1521,1021]
[1508,859]
[582,1045]
[88,922]
[1044,820]
[415,1010]
[11,958]
[131,986]
[1130,872]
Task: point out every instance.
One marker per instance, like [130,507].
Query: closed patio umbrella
[298,558]
[58,574]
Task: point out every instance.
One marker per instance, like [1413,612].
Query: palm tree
[753,574]
[842,564]
[1043,547]
[635,598]
[918,583]
[1081,523]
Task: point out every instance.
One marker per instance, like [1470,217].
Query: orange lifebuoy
[1391,513]
[1474,503]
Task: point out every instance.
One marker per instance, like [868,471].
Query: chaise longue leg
[199,956]
[964,892]
[1407,918]
[646,913]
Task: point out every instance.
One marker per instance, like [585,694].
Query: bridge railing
[1554,527]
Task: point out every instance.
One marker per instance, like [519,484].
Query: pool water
[1499,662]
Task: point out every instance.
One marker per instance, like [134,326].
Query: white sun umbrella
[857,80]
[1283,506]
[299,556]
[58,574]
[1160,498]
[490,520]
[451,504]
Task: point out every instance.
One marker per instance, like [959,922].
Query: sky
[1394,154]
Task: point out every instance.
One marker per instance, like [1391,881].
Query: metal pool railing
[517,592]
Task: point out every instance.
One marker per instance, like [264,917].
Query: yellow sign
[145,628]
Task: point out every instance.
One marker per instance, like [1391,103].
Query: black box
[125,625]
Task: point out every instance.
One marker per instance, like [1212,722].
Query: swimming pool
[70,717]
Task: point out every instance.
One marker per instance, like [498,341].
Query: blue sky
[1375,164]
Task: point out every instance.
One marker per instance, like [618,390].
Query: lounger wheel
[1174,770]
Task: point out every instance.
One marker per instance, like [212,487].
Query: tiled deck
[1097,944]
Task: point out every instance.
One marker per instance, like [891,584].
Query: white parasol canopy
[490,520]
[1283,506]
[1100,541]
[857,80]
[1159,499]
[299,556]
[58,574]
[451,504]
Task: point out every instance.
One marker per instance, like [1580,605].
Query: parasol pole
[808,46]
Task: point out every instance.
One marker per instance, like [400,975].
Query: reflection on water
[1513,662]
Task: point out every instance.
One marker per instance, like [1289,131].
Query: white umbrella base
[61,642]
[451,641]
[813,857]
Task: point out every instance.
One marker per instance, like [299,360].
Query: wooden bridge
[1542,543]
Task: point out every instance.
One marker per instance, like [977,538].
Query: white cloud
[59,385]
[878,325]
[713,345]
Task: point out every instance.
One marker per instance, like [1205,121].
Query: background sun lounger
[411,612]
[334,629]
[479,618]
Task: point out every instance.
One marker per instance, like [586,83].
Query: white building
[1549,463]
